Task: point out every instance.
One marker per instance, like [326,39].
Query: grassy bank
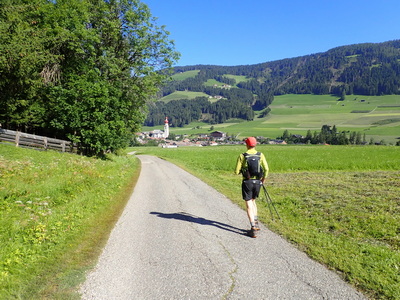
[339,204]
[55,214]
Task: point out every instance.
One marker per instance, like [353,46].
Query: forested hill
[364,69]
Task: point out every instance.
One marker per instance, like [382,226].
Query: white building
[166,128]
[157,134]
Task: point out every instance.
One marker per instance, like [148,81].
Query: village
[164,139]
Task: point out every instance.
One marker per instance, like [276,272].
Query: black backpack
[253,166]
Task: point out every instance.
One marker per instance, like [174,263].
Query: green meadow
[185,75]
[178,95]
[56,211]
[338,204]
[212,82]
[193,73]
[238,78]
[376,116]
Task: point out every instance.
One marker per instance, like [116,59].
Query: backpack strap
[245,154]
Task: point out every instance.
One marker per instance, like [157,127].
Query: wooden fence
[27,140]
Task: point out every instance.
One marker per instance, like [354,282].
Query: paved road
[180,239]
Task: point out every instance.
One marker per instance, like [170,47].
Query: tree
[358,140]
[352,137]
[23,57]
[308,136]
[343,95]
[342,139]
[286,135]
[316,138]
[85,67]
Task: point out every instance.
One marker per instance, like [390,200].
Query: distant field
[376,116]
[178,95]
[212,82]
[193,73]
[184,75]
[356,113]
[238,78]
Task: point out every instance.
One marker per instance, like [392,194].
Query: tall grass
[339,204]
[55,213]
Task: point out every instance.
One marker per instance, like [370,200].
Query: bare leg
[251,208]
[255,213]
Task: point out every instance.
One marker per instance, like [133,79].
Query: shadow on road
[198,220]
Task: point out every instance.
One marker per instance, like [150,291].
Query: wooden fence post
[17,138]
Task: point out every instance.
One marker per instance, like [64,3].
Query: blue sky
[231,33]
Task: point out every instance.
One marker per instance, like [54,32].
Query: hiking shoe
[257,226]
[253,232]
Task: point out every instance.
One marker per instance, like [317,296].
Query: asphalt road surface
[178,238]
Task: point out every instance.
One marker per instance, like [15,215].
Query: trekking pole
[270,203]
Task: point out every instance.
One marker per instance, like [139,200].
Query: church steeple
[166,128]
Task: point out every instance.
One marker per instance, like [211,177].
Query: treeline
[328,135]
[182,112]
[366,69]
[80,69]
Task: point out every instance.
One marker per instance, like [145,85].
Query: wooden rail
[21,139]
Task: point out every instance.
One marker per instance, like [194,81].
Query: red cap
[251,141]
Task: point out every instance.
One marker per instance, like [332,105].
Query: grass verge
[339,204]
[56,211]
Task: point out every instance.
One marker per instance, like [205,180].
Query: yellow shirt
[241,162]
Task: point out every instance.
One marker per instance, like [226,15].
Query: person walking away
[254,168]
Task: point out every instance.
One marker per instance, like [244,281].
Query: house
[218,134]
[157,134]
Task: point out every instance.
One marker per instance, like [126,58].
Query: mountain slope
[363,69]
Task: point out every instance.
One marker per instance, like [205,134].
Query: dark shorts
[250,189]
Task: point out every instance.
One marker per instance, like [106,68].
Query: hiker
[254,168]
